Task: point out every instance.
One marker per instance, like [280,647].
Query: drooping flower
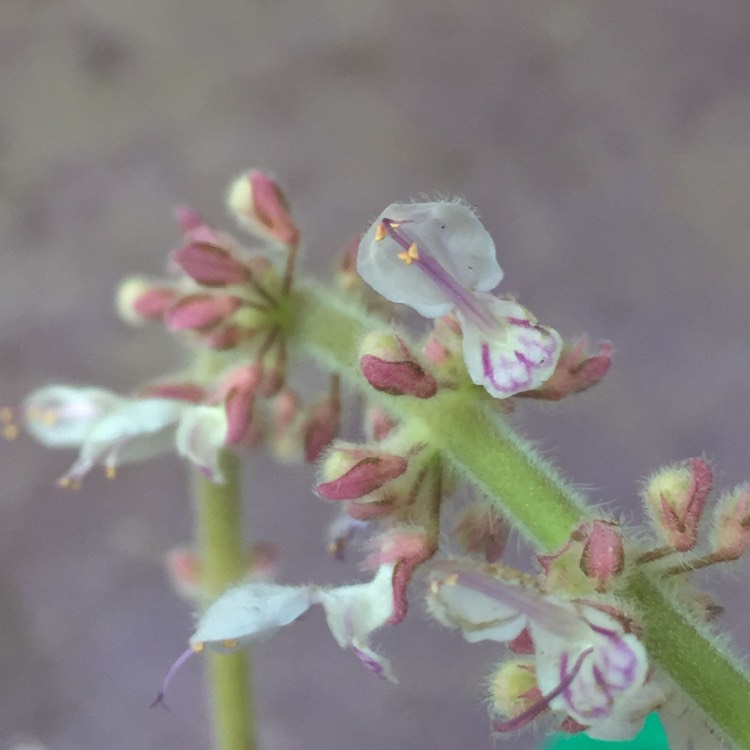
[588,666]
[437,258]
[255,611]
[110,430]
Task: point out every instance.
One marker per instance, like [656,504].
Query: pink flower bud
[224,337]
[321,427]
[482,530]
[240,388]
[211,265]
[201,312]
[603,556]
[352,473]
[575,372]
[731,533]
[675,498]
[141,301]
[190,392]
[389,366]
[259,204]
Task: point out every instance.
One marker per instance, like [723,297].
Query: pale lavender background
[607,145]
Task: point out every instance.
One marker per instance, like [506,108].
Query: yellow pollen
[451,580]
[197,647]
[381,233]
[231,643]
[413,251]
[48,417]
[111,472]
[395,224]
[10,432]
[6,415]
[69,484]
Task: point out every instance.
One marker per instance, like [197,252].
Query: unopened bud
[141,301]
[211,265]
[320,427]
[575,371]
[352,473]
[675,498]
[201,312]
[389,366]
[731,532]
[482,530]
[513,688]
[240,388]
[260,206]
[603,556]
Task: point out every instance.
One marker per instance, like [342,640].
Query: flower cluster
[220,296]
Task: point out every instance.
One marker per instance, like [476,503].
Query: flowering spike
[390,367]
[675,498]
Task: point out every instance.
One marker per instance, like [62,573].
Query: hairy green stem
[218,521]
[465,427]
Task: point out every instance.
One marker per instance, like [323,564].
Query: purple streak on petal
[541,705]
[181,659]
[429,265]
[514,386]
[373,665]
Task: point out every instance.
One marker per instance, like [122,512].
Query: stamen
[527,716]
[380,233]
[9,427]
[230,643]
[111,472]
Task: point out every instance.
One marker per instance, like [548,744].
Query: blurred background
[607,146]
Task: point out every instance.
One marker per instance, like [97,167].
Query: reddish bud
[603,556]
[211,265]
[389,366]
[482,530]
[201,312]
[224,337]
[141,301]
[240,388]
[354,473]
[576,371]
[675,498]
[259,204]
[731,533]
[190,392]
[321,427]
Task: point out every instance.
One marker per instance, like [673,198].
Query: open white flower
[255,611]
[437,258]
[587,666]
[111,430]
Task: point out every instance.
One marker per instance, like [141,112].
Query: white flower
[437,258]
[111,430]
[587,666]
[255,611]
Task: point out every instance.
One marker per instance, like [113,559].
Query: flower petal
[251,612]
[201,435]
[518,355]
[451,233]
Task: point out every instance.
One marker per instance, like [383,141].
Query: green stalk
[218,521]
[465,426]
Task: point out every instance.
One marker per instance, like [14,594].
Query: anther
[111,472]
[231,643]
[197,647]
[380,233]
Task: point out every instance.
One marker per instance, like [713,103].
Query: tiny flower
[255,611]
[588,667]
[201,435]
[576,371]
[260,206]
[239,389]
[731,532]
[438,258]
[675,498]
[389,366]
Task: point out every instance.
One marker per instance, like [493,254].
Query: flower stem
[218,519]
[464,426]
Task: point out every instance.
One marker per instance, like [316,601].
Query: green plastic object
[651,738]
